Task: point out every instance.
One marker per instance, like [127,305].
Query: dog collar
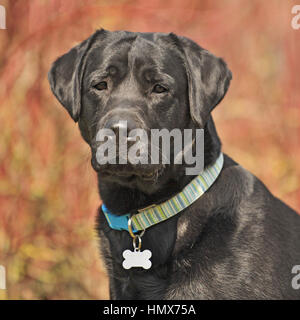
[154,214]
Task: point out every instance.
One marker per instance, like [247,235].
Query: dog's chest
[133,283]
[136,282]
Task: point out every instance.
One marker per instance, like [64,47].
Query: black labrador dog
[237,241]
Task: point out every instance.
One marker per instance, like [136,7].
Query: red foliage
[48,195]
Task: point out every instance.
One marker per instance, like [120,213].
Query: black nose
[121,127]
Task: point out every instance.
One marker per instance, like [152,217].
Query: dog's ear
[208,78]
[65,76]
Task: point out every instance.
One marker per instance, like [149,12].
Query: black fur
[237,241]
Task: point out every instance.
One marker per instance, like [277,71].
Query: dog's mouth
[123,168]
[130,175]
[129,172]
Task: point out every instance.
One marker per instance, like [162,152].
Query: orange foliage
[48,190]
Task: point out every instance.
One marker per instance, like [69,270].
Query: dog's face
[149,81]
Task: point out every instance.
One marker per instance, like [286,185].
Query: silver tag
[137,258]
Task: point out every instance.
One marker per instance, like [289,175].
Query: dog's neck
[121,199]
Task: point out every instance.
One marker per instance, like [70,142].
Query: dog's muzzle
[122,148]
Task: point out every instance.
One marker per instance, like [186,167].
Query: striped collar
[154,214]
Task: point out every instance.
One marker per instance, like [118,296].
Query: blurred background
[48,190]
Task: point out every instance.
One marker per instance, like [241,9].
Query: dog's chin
[129,175]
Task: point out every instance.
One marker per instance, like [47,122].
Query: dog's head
[143,80]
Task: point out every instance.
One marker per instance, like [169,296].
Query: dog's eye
[101,85]
[159,89]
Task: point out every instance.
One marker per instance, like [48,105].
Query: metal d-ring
[135,247]
[131,232]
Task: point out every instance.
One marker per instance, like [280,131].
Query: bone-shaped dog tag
[137,258]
